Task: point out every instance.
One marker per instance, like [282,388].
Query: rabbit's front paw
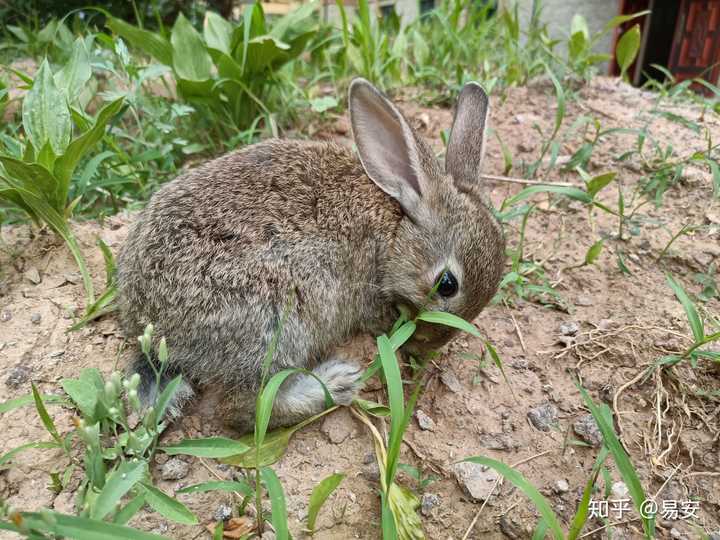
[342,378]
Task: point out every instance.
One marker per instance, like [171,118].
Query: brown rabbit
[214,257]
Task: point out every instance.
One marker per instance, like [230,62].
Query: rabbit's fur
[219,253]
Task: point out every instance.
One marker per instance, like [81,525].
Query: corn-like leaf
[44,416]
[45,112]
[597,183]
[80,528]
[210,447]
[448,319]
[396,398]
[624,465]
[278,508]
[694,319]
[541,503]
[319,495]
[581,514]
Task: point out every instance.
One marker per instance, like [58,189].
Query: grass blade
[396,401]
[541,503]
[319,495]
[168,507]
[624,465]
[696,324]
[277,503]
[44,416]
[448,319]
[209,447]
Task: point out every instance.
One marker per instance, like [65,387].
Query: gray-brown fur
[214,257]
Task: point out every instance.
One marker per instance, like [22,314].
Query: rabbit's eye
[447,284]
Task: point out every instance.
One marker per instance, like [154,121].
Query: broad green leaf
[217,32]
[262,52]
[81,528]
[76,72]
[627,49]
[319,495]
[117,484]
[516,478]
[624,465]
[84,393]
[694,319]
[448,319]
[221,485]
[45,112]
[35,180]
[579,24]
[191,60]
[168,507]
[66,163]
[574,193]
[210,447]
[153,44]
[594,252]
[278,507]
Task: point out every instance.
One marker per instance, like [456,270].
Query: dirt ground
[624,324]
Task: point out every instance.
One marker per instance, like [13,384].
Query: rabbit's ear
[467,138]
[388,150]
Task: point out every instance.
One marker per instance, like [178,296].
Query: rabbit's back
[216,252]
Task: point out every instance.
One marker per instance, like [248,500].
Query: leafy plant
[37,178]
[230,69]
[116,481]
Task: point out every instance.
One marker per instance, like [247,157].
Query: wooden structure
[682,35]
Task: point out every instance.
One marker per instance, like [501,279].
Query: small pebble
[583,301]
[569,328]
[675,533]
[619,491]
[477,481]
[6,315]
[35,318]
[424,421]
[561,486]
[18,376]
[174,469]
[223,513]
[605,324]
[587,429]
[544,416]
[428,502]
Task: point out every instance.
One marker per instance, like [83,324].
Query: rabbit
[310,233]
